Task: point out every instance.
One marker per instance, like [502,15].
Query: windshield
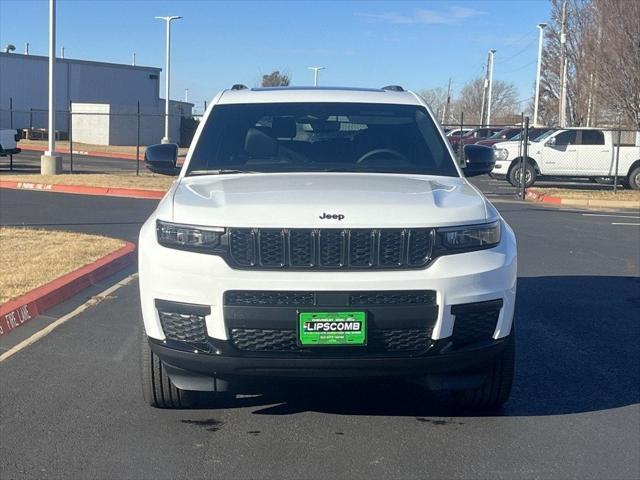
[320,137]
[543,135]
[535,134]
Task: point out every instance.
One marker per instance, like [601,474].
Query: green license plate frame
[332,329]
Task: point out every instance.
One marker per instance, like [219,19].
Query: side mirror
[479,160]
[551,142]
[162,158]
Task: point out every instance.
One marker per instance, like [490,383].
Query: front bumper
[185,367]
[200,279]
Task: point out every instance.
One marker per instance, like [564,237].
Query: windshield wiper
[219,171]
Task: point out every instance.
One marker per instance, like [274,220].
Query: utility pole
[562,104]
[26,48]
[186,95]
[484,90]
[50,163]
[446,105]
[167,76]
[491,54]
[62,52]
[133,59]
[541,26]
[315,74]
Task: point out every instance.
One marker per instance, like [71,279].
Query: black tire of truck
[157,389]
[497,387]
[530,175]
[634,178]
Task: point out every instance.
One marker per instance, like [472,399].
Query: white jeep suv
[325,232]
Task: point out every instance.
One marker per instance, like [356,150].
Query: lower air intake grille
[268,298]
[183,327]
[380,341]
[409,297]
[470,327]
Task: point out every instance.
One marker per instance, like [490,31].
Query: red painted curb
[84,190]
[19,311]
[533,195]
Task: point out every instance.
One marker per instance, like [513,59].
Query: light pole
[167,76]
[50,163]
[491,53]
[315,74]
[537,95]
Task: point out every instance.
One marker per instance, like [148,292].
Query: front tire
[497,387]
[530,174]
[634,178]
[157,389]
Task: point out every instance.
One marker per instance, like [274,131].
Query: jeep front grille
[338,249]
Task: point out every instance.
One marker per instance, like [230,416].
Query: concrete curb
[118,155]
[84,190]
[535,196]
[17,312]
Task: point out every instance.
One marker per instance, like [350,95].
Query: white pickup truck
[572,152]
[9,142]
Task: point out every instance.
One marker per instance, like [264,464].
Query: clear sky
[417,44]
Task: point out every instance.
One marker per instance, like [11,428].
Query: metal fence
[603,155]
[82,133]
[600,155]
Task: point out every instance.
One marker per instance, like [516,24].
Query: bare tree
[276,79]
[436,98]
[581,35]
[617,66]
[504,104]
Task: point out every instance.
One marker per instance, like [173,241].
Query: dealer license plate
[332,328]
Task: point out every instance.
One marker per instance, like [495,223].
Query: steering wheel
[379,151]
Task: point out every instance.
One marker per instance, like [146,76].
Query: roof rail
[239,86]
[393,88]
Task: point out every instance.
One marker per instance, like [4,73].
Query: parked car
[573,152]
[320,232]
[9,139]
[501,136]
[451,132]
[473,136]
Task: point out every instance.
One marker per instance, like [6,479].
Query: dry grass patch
[622,194]
[145,181]
[30,258]
[87,147]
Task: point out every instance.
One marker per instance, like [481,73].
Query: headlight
[467,238]
[189,237]
[502,154]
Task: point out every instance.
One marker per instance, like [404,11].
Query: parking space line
[52,326]
[614,223]
[609,215]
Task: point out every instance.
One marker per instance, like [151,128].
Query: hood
[511,144]
[300,199]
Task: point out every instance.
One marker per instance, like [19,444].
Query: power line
[519,52]
[517,69]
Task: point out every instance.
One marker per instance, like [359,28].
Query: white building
[114,88]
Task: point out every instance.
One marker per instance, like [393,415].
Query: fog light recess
[183,322]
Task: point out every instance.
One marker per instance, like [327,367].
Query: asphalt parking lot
[72,407]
